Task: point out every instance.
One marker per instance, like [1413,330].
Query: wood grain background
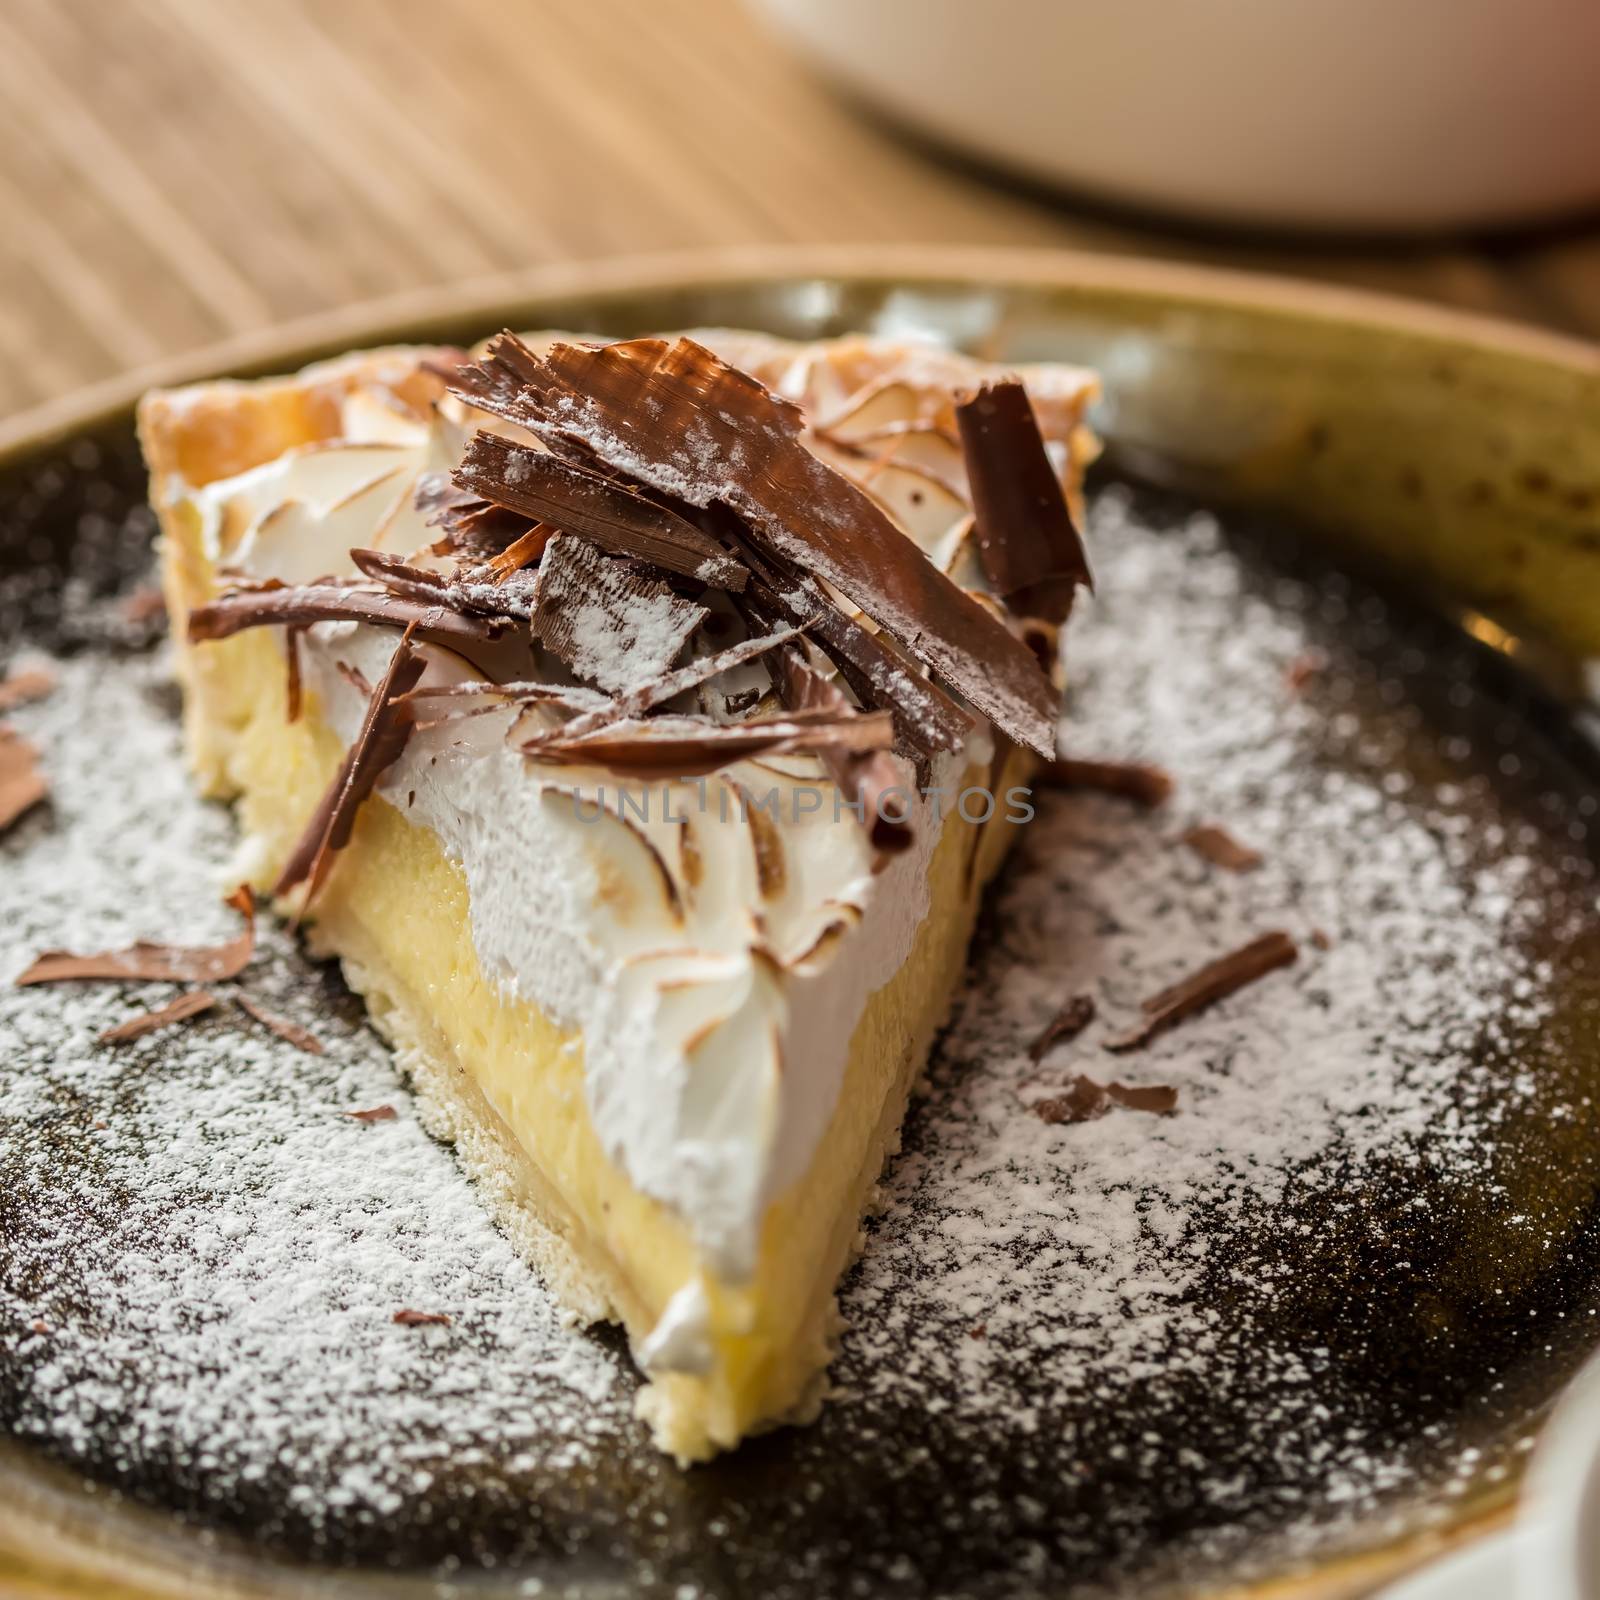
[172,171]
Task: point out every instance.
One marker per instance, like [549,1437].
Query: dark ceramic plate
[1296,1382]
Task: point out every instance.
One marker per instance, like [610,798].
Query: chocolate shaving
[881,677]
[682,747]
[292,1032]
[180,1010]
[22,784]
[544,487]
[1068,1023]
[693,427]
[1307,665]
[383,1113]
[1216,980]
[1320,939]
[1159,1099]
[1218,846]
[22,688]
[865,778]
[1148,785]
[378,743]
[497,646]
[609,623]
[422,1319]
[165,963]
[355,677]
[689,676]
[524,549]
[1029,548]
[293,692]
[1084,1100]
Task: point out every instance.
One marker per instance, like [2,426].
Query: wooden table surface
[174,171]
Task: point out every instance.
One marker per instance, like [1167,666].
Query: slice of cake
[638,724]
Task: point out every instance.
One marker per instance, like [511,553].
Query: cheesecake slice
[638,724]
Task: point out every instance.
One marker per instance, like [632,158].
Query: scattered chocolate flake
[1030,550]
[1320,939]
[384,1113]
[422,1319]
[300,1038]
[682,420]
[497,646]
[22,688]
[165,963]
[39,1326]
[144,605]
[1305,666]
[1084,1100]
[1068,1023]
[1216,980]
[1218,846]
[624,523]
[1158,1099]
[505,601]
[610,623]
[22,784]
[977,1331]
[744,700]
[865,778]
[1138,781]
[686,747]
[382,736]
[179,1010]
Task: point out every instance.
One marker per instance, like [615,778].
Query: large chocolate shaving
[691,426]
[382,736]
[542,486]
[166,963]
[1216,980]
[680,747]
[866,778]
[608,622]
[498,646]
[22,784]
[1030,550]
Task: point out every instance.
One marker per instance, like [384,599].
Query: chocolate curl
[1030,550]
[498,646]
[382,736]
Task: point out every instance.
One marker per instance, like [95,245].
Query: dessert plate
[1286,1340]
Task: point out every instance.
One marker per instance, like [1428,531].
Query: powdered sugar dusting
[214,1249]
[1076,1357]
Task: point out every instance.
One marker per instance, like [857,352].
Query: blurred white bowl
[1388,115]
